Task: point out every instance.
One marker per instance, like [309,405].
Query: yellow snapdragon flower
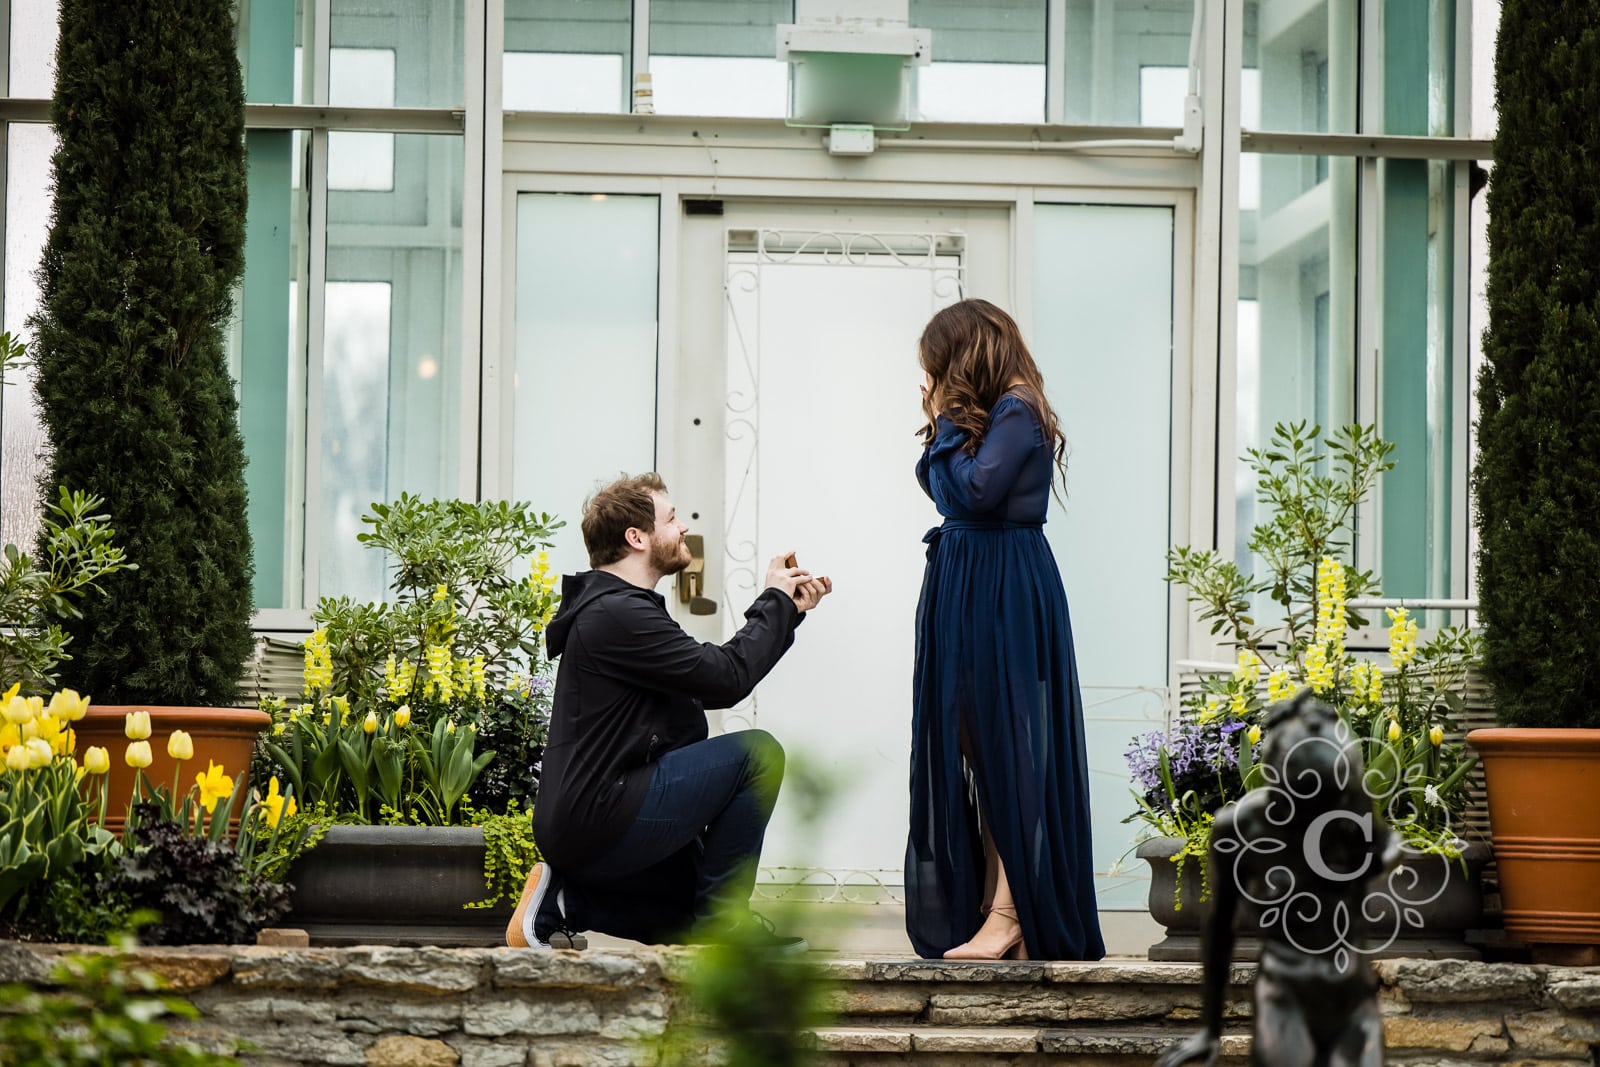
[1279,685]
[318,662]
[1248,669]
[1402,637]
[1330,603]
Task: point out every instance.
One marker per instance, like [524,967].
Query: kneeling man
[649,827]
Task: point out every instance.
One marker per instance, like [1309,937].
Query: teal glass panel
[1108,45]
[1308,54]
[988,61]
[1416,375]
[391,377]
[267,352]
[1295,356]
[1419,47]
[718,57]
[426,38]
[268,36]
[567,55]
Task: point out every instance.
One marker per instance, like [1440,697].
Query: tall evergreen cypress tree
[1538,475]
[146,242]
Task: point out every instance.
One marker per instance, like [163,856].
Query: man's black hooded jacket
[631,686]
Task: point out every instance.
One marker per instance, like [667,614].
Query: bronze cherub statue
[1304,846]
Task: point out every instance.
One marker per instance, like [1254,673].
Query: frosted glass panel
[22,437]
[584,403]
[556,81]
[988,61]
[355,389]
[1102,335]
[34,30]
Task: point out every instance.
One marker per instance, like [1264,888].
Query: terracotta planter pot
[1546,826]
[226,736]
[395,885]
[1449,901]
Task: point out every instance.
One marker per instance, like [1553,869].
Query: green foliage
[453,586]
[197,885]
[1401,714]
[46,828]
[1537,480]
[146,243]
[104,1012]
[510,852]
[75,553]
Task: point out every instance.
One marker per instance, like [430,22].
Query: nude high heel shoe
[996,946]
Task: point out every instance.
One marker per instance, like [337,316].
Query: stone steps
[1122,1011]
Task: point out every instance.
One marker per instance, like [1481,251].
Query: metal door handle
[692,579]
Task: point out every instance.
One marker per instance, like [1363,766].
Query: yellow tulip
[68,706]
[370,723]
[1394,730]
[137,725]
[138,754]
[96,760]
[16,710]
[30,729]
[450,727]
[17,758]
[1436,735]
[1254,734]
[214,785]
[180,745]
[39,752]
[402,715]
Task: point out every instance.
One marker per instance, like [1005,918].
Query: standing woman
[998,862]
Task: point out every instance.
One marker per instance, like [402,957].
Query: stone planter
[226,736]
[1448,901]
[395,885]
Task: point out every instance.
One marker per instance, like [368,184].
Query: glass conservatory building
[508,248]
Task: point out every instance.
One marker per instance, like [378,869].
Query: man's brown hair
[613,510]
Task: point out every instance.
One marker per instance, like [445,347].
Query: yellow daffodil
[1436,734]
[272,804]
[1254,734]
[370,723]
[96,760]
[402,715]
[1394,730]
[17,758]
[136,725]
[68,706]
[138,754]
[10,735]
[180,745]
[214,786]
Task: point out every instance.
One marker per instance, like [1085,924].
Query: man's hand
[808,594]
[796,581]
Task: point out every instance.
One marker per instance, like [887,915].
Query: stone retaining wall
[431,1007]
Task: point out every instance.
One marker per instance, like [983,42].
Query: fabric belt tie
[931,538]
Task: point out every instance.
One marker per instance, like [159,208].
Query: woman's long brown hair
[973,351]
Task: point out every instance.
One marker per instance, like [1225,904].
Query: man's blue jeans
[692,848]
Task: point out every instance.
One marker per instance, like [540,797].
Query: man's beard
[669,559]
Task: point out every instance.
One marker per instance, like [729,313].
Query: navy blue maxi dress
[994,659]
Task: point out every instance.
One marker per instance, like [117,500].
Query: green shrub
[1537,481]
[146,243]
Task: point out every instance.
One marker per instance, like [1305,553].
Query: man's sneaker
[519,931]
